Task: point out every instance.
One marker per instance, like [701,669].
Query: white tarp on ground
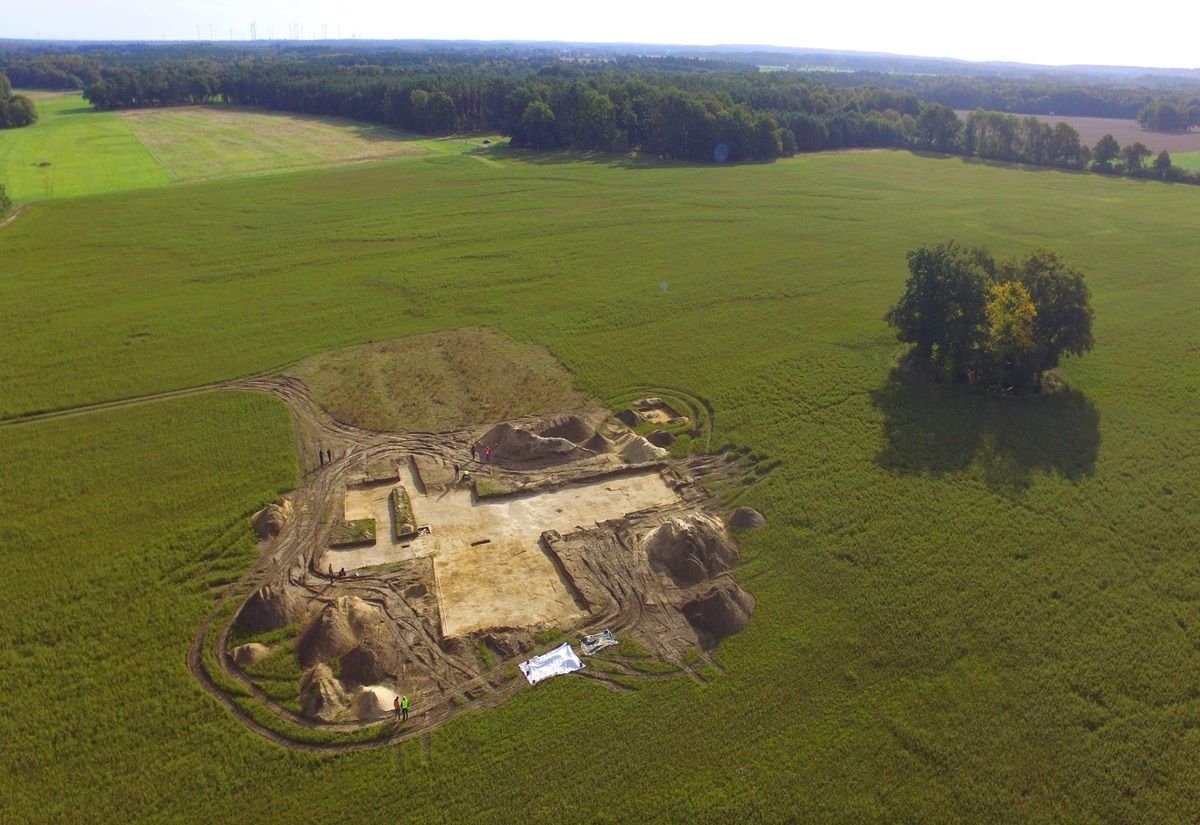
[596,642]
[558,661]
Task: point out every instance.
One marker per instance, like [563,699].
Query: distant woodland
[704,109]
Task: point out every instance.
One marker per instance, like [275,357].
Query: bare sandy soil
[489,564]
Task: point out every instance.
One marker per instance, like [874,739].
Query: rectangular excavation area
[370,502]
[657,411]
[490,567]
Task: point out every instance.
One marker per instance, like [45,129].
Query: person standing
[396,706]
[403,708]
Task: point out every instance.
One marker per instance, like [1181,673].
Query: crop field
[73,150]
[204,142]
[969,609]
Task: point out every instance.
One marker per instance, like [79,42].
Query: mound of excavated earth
[719,612]
[661,438]
[571,427]
[639,451]
[249,654]
[628,417]
[268,521]
[747,518]
[372,660]
[691,549]
[271,607]
[344,625]
[598,444]
[510,443]
[321,694]
[374,702]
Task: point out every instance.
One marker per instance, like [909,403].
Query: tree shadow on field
[934,429]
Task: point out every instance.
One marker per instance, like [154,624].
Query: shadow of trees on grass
[934,429]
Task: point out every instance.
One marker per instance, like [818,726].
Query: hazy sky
[1030,31]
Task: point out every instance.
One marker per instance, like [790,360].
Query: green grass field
[1187,160]
[73,150]
[969,609]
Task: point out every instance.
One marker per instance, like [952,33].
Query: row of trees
[15,110]
[1077,96]
[972,320]
[1163,116]
[1000,136]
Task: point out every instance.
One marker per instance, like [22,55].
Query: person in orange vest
[396,706]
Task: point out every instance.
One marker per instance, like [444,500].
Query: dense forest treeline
[684,108]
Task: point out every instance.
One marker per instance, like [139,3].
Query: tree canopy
[971,320]
[15,110]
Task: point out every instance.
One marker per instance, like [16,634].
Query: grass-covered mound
[439,381]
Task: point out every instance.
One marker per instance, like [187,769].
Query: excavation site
[414,576]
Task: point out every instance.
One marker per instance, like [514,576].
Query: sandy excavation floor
[372,502]
[490,567]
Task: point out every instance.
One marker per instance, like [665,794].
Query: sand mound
[268,521]
[509,443]
[343,625]
[570,427]
[747,518]
[271,607]
[598,444]
[661,438]
[720,612]
[246,655]
[691,549]
[321,694]
[374,702]
[629,418]
[370,662]
[639,451]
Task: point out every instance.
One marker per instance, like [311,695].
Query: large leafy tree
[1064,313]
[1135,155]
[1011,323]
[440,114]
[937,127]
[965,317]
[1066,148]
[537,126]
[943,310]
[1107,150]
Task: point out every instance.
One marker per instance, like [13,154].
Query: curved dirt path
[288,558]
[16,213]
